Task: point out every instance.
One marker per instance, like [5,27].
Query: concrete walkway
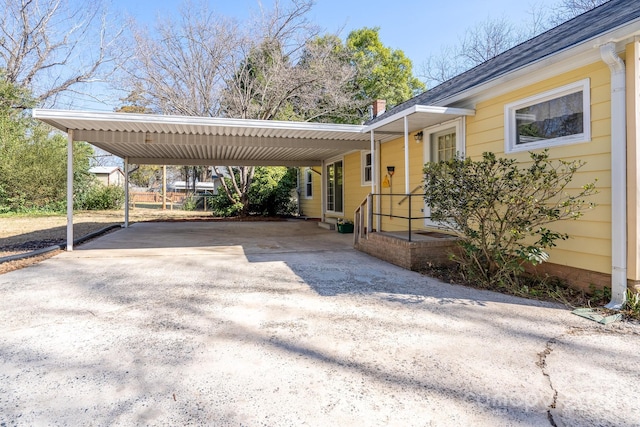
[283,324]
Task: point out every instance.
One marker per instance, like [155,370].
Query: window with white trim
[557,117]
[308,184]
[366,167]
[334,185]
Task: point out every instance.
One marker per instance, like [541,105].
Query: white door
[442,143]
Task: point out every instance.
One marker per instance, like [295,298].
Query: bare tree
[568,9]
[273,67]
[181,69]
[480,43]
[494,36]
[488,39]
[52,47]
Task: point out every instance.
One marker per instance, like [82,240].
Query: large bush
[101,197]
[269,194]
[270,191]
[500,210]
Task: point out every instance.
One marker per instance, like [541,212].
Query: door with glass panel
[441,145]
[334,186]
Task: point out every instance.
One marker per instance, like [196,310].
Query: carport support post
[406,156]
[322,193]
[69,190]
[126,192]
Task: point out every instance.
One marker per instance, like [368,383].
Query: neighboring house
[201,187]
[108,175]
[582,76]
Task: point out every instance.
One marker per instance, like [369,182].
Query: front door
[442,143]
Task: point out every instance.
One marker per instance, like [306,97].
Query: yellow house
[582,76]
[579,83]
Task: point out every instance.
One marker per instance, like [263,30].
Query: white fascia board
[429,109]
[221,162]
[52,116]
[566,60]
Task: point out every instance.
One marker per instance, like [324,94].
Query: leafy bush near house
[501,211]
[270,191]
[101,197]
[269,194]
[223,207]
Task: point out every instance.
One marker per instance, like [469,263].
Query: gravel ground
[283,324]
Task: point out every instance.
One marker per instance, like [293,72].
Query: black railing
[405,198]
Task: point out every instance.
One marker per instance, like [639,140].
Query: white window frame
[363,168]
[510,127]
[459,126]
[308,180]
[326,189]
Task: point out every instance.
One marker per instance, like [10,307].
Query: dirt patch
[24,234]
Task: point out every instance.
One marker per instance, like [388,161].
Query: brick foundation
[416,255]
[410,255]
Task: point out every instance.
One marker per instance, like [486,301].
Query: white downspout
[69,190]
[618,175]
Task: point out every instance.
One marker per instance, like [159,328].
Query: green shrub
[270,194]
[221,206]
[632,303]
[190,203]
[270,191]
[500,211]
[102,197]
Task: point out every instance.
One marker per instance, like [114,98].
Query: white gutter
[429,109]
[96,118]
[618,175]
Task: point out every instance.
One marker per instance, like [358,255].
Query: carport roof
[185,140]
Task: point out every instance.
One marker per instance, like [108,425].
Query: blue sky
[418,27]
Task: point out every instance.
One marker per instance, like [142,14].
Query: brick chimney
[379,107]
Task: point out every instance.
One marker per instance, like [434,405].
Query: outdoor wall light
[418,137]
[391,170]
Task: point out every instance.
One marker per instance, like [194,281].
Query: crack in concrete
[542,364]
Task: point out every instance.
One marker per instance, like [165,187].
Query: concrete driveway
[284,324]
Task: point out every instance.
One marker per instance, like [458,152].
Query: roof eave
[414,109]
[565,60]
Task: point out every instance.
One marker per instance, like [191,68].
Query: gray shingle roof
[589,25]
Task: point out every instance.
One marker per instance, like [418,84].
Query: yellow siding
[590,244]
[311,207]
[392,154]
[354,191]
[633,160]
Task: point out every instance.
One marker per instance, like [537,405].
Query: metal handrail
[419,187]
[409,218]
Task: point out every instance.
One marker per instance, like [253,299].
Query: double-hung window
[308,184]
[366,168]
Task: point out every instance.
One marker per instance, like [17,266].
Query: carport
[182,140]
